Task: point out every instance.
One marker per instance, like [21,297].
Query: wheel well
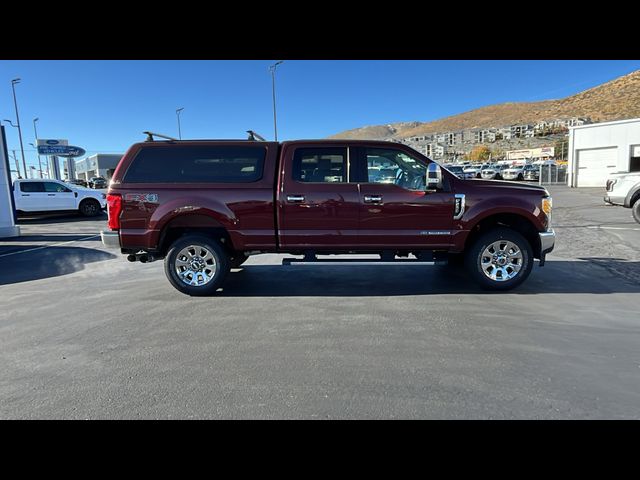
[89,199]
[634,198]
[170,235]
[510,220]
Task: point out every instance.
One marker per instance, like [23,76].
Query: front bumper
[547,242]
[110,239]
[613,200]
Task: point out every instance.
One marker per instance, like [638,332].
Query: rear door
[395,209]
[30,197]
[317,203]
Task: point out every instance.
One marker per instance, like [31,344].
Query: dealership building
[600,149]
[99,165]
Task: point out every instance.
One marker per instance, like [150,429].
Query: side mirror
[434,177]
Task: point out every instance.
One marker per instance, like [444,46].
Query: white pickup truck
[624,189]
[45,195]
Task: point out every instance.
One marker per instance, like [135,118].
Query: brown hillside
[614,100]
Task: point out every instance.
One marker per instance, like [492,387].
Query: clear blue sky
[103,106]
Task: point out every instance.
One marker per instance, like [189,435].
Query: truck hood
[513,186]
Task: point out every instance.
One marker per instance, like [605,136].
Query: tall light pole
[15,103]
[272,69]
[35,131]
[178,112]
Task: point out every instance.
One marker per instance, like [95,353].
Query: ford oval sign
[52,142]
[61,150]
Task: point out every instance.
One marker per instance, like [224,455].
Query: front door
[395,210]
[317,205]
[59,197]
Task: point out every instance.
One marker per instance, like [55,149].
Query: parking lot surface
[86,334]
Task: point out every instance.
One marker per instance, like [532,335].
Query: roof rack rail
[254,136]
[150,136]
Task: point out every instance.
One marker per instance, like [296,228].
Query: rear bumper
[110,239]
[547,242]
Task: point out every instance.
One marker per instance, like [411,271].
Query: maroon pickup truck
[205,206]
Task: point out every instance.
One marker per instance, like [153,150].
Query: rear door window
[320,165]
[31,187]
[197,164]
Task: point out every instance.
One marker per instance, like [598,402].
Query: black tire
[89,208]
[238,260]
[220,257]
[635,210]
[473,259]
[520,177]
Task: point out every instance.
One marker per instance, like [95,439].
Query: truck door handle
[373,199]
[51,194]
[295,198]
[25,194]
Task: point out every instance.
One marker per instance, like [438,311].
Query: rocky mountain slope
[614,100]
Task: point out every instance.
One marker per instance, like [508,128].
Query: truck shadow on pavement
[48,218]
[51,261]
[588,276]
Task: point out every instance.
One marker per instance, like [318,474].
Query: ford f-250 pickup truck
[206,205]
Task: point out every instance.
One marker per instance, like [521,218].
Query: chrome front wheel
[501,261]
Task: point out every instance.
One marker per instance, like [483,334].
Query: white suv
[43,195]
[624,189]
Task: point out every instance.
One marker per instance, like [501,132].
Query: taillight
[114,207]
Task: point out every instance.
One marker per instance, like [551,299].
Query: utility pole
[15,103]
[272,69]
[35,131]
[17,164]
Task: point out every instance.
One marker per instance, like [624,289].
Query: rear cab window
[197,164]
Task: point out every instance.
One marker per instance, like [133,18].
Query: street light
[272,69]
[15,103]
[178,112]
[35,131]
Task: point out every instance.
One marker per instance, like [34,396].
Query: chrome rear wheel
[195,265]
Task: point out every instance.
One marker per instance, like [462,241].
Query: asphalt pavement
[85,334]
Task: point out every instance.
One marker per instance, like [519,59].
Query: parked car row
[495,171]
[94,182]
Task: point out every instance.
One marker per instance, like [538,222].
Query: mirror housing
[434,177]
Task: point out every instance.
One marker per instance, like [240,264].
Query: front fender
[477,211]
[635,190]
